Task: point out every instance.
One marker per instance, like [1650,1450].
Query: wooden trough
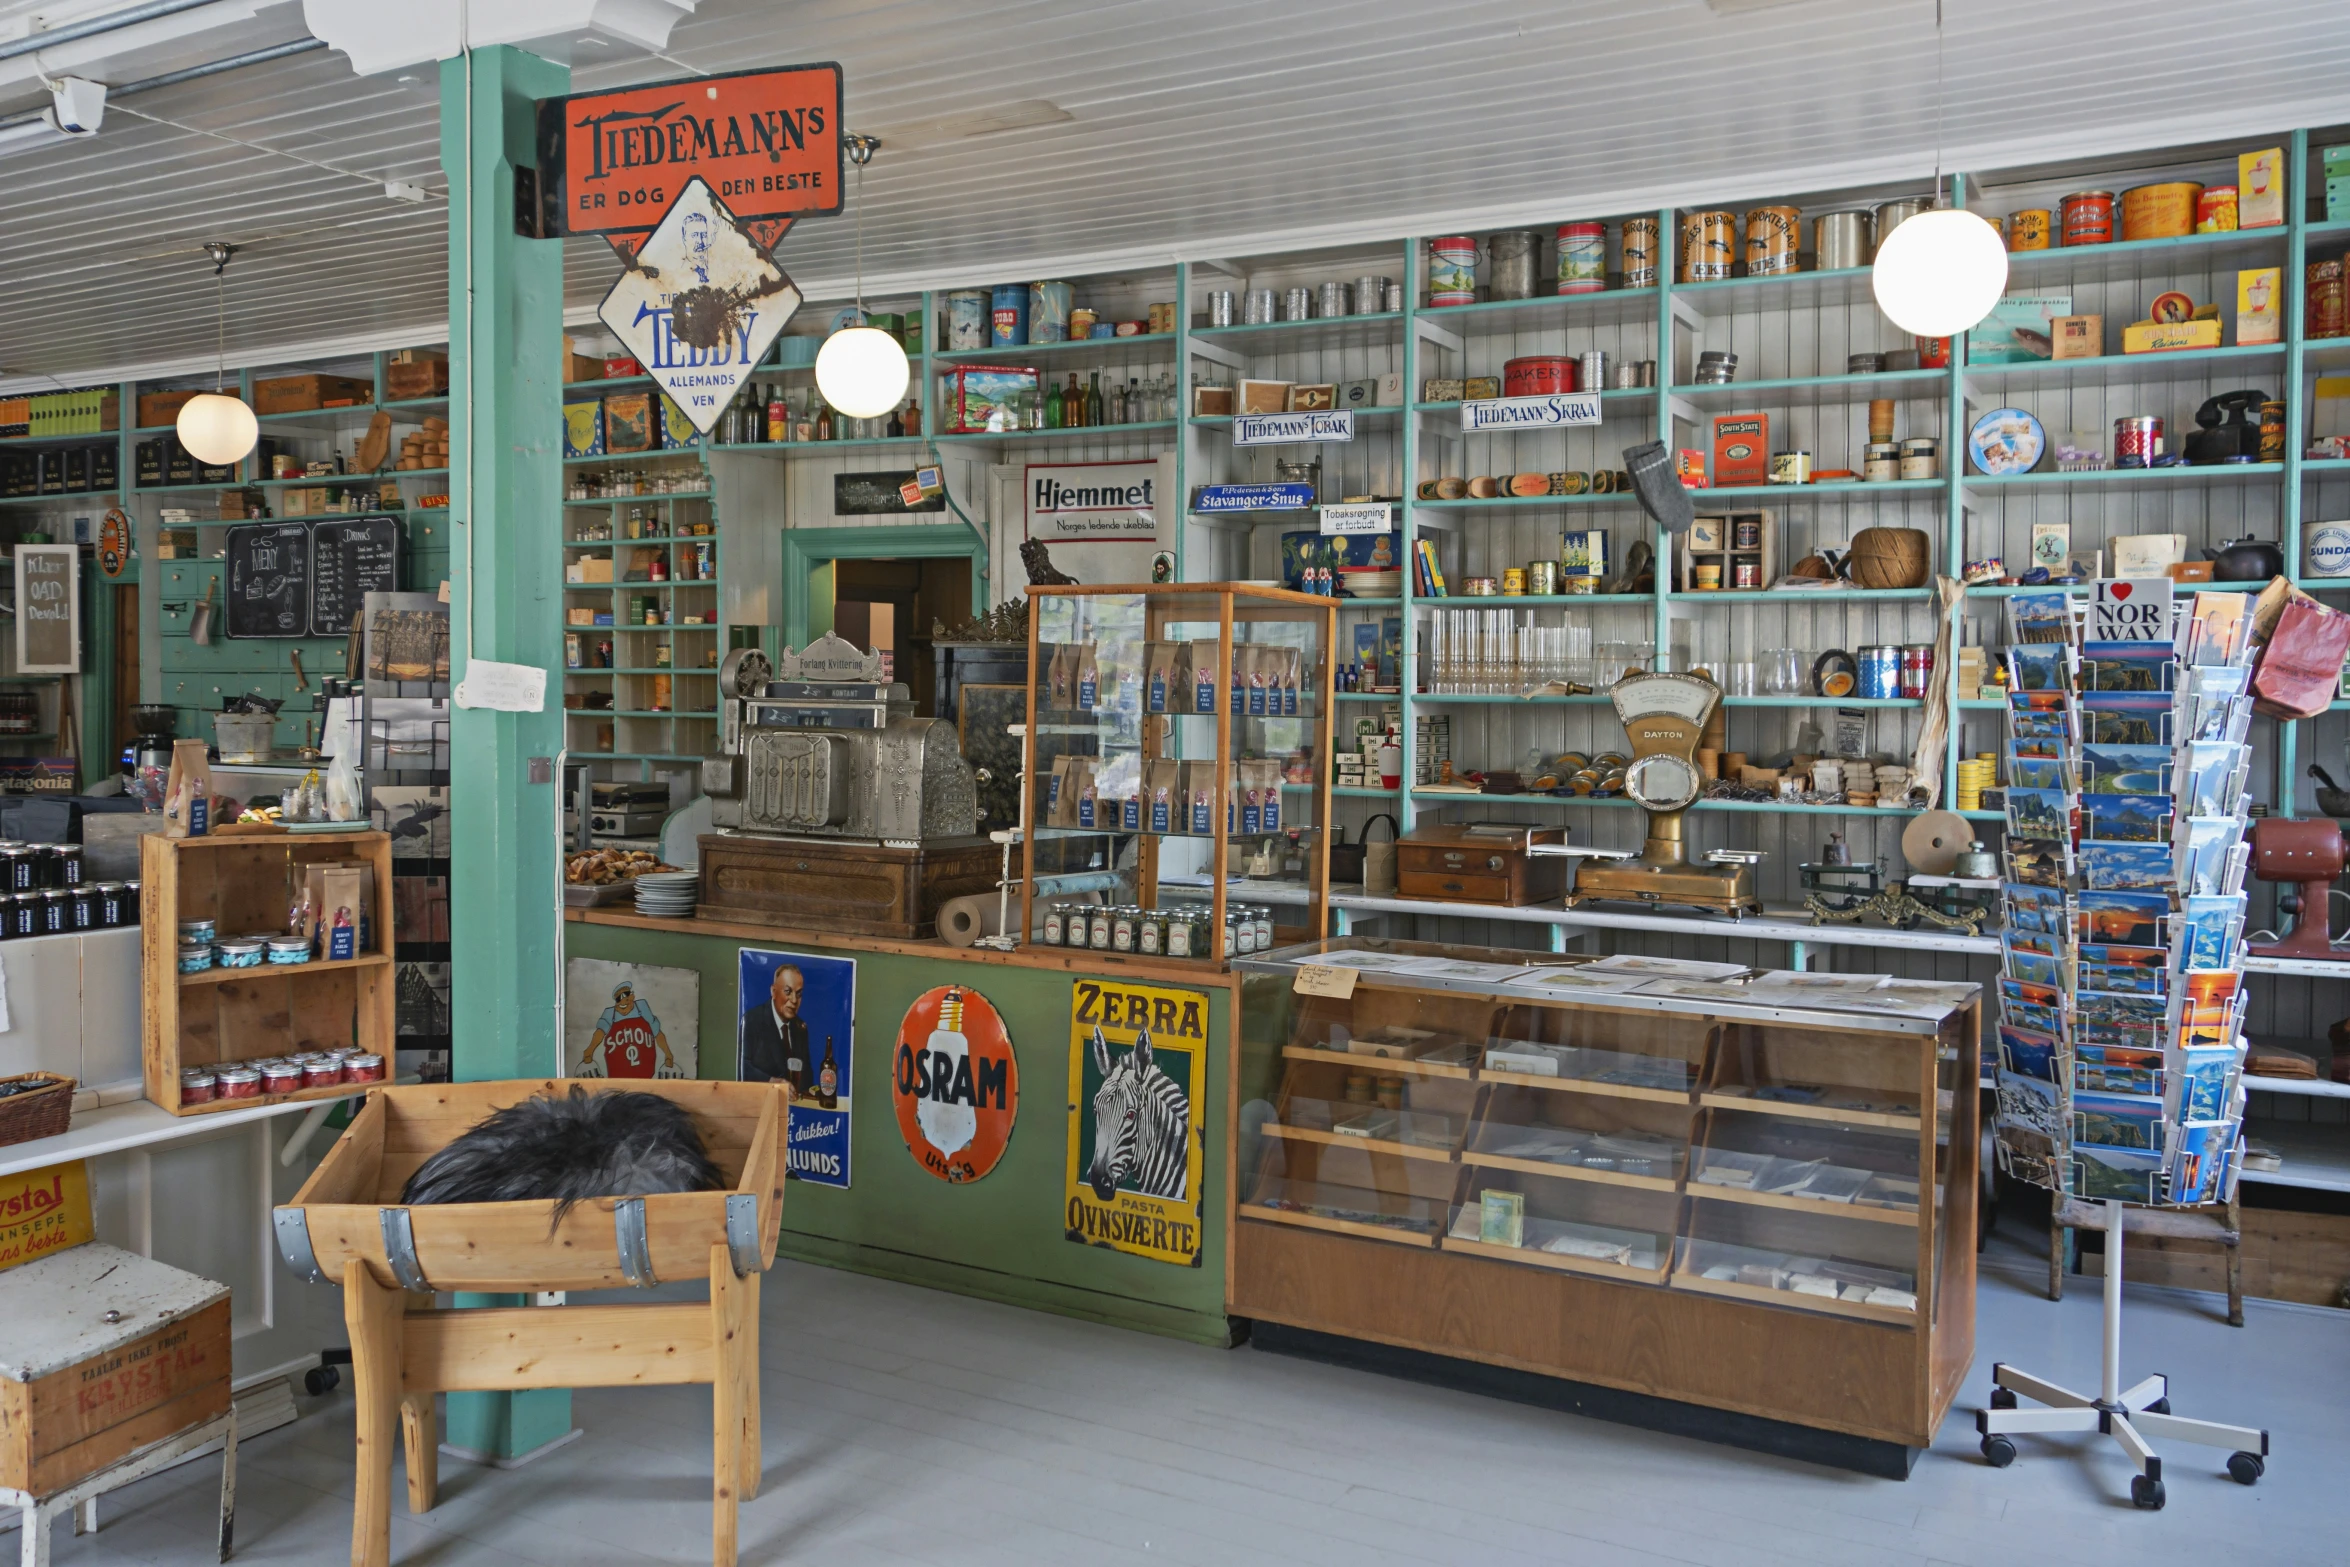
[346,1224]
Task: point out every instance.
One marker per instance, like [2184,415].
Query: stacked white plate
[668,894]
[1366,583]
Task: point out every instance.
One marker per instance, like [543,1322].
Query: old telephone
[1664,715]
[2227,429]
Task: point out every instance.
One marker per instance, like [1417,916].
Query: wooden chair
[2219,1222]
[345,1223]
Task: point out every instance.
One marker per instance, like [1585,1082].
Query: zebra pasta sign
[1138,1060]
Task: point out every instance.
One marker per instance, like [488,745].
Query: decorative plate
[2006,440]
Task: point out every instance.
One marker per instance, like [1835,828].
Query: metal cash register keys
[1664,716]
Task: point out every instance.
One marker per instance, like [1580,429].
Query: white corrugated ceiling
[1197,128]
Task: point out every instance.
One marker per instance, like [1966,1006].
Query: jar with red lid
[281,1077]
[238,1082]
[198,1088]
[364,1068]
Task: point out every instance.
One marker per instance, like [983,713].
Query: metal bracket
[400,1249]
[293,1243]
[628,1235]
[742,1231]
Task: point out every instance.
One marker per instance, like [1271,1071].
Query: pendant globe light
[861,370]
[217,427]
[1939,273]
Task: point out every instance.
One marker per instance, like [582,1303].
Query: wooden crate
[247,883]
[293,394]
[77,1392]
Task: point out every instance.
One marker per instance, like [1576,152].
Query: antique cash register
[835,807]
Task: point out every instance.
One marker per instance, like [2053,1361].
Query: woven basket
[43,1112]
[1890,558]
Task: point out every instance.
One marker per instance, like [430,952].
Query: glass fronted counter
[1177,769]
[1751,1191]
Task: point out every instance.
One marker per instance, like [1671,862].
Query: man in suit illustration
[775,1037]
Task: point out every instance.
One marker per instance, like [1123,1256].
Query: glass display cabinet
[1176,770]
[1476,1153]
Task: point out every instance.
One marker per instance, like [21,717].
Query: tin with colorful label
[1705,577]
[2087,217]
[1638,241]
[1917,670]
[1048,312]
[1452,270]
[1539,375]
[2326,299]
[1880,672]
[1008,317]
[2029,229]
[1542,578]
[2137,440]
[2160,211]
[1709,243]
[1746,574]
[1790,468]
[1582,265]
[1771,237]
[2215,210]
[1513,581]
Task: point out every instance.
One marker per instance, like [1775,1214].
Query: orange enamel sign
[954,1083]
[42,1211]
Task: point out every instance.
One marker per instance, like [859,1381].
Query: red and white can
[2137,440]
[1917,669]
[2086,217]
[1582,258]
[1539,375]
[1452,270]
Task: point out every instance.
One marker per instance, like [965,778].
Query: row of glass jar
[61,911]
[1154,933]
[260,1079]
[28,867]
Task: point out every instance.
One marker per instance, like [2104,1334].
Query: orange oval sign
[955,1083]
[114,542]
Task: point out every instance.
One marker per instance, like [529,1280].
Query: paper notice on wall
[503,688]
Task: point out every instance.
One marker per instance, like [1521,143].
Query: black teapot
[2245,560]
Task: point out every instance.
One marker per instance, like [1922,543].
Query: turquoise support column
[505,604]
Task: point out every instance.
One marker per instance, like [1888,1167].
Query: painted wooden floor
[904,1426]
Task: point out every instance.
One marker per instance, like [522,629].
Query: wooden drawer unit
[863,889]
[1476,862]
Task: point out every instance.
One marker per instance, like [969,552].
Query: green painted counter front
[1002,1236]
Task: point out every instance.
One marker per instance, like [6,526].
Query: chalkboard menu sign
[349,560]
[308,579]
[876,495]
[48,609]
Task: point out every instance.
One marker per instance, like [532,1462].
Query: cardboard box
[583,428]
[578,366]
[2260,188]
[2077,337]
[159,409]
[293,394]
[1319,398]
[421,375]
[1263,397]
[2159,337]
[590,569]
[619,367]
[2260,306]
[1391,390]
[1211,402]
[1742,449]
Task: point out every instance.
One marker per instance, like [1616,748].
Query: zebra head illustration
[1141,1125]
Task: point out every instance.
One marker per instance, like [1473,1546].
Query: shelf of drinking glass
[652,495]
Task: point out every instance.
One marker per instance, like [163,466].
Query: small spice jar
[288,949]
[363,1068]
[1122,930]
[281,1076]
[1181,928]
[239,952]
[324,1072]
[238,1082]
[195,956]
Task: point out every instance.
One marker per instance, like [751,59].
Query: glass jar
[1050,933]
[324,1072]
[1098,929]
[363,1068]
[113,907]
[1264,921]
[1181,933]
[198,1087]
[238,1082]
[281,1076]
[56,911]
[1150,934]
[195,956]
[83,902]
[131,914]
[17,867]
[1122,929]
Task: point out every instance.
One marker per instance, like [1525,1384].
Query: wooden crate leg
[729,1374]
[754,1464]
[372,1314]
[34,1550]
[420,1425]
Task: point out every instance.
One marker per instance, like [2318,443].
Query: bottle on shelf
[896,426]
[1073,405]
[1036,408]
[778,415]
[1134,411]
[1053,411]
[913,419]
[1093,401]
[823,420]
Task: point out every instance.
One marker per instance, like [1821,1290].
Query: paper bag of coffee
[1090,811]
[1292,676]
[1205,669]
[1162,678]
[1199,798]
[1087,673]
[187,791]
[1163,790]
[337,904]
[1060,677]
[1055,790]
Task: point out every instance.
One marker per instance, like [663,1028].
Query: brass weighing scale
[1663,717]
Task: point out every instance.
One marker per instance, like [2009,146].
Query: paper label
[503,688]
[1363,517]
[1321,979]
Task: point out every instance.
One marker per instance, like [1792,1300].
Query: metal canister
[2215,210]
[1883,462]
[966,319]
[1880,672]
[1258,309]
[1594,373]
[1921,457]
[1709,243]
[1081,322]
[1452,270]
[1008,316]
[2086,217]
[1637,239]
[1772,236]
[1332,301]
[1394,298]
[1539,375]
[2161,211]
[1793,467]
[1370,295]
[2030,228]
[2137,439]
[1890,215]
[1297,304]
[1582,264]
[1509,264]
[1746,534]
[2272,432]
[1840,241]
[1513,581]
[2326,299]
[1917,669]
[1746,574]
[1048,312]
[1542,578]
[1221,303]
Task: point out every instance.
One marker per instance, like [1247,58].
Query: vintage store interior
[1623,722]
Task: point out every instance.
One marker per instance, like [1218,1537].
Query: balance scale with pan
[1664,716]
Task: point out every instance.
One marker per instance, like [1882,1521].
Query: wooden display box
[1453,862]
[247,883]
[1713,540]
[859,889]
[293,394]
[159,409]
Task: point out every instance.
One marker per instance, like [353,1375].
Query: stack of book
[2121,972]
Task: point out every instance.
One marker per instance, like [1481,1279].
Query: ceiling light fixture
[1939,273]
[861,370]
[216,427]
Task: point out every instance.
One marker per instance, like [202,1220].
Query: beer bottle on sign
[828,1080]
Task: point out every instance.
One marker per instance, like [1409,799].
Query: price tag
[1322,979]
[1362,517]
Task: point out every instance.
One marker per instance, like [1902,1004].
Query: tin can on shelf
[1637,240]
[2137,440]
[1880,672]
[1840,241]
[2086,217]
[1542,578]
[1917,669]
[1452,270]
[1746,534]
[1921,457]
[1297,304]
[1257,309]
[1709,243]
[1771,240]
[2161,211]
[1883,462]
[2325,306]
[2272,432]
[1705,577]
[1331,301]
[1370,295]
[1746,574]
[1594,369]
[1048,312]
[1509,264]
[1220,307]
[2215,210]
[1008,316]
[237,1082]
[967,318]
[1479,588]
[1513,582]
[1582,260]
[1537,375]
[1081,322]
[2030,229]
[1890,215]
[1790,467]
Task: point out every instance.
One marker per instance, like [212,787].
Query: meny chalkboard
[48,609]
[349,560]
[269,580]
[308,579]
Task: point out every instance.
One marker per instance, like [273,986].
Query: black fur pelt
[570,1149]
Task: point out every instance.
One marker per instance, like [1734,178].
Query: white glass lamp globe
[217,429]
[1939,273]
[861,371]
